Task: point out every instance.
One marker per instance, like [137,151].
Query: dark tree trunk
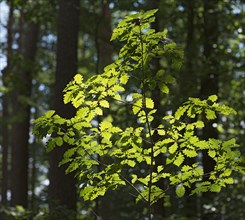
[188,83]
[104,206]
[21,110]
[188,79]
[62,188]
[103,44]
[158,208]
[210,80]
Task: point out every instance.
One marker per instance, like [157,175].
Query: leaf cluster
[106,156]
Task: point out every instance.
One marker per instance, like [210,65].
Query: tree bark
[210,80]
[158,208]
[62,188]
[188,83]
[104,207]
[188,79]
[102,38]
[22,81]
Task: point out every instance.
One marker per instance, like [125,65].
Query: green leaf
[72,167]
[229,180]
[227,172]
[104,125]
[130,163]
[213,98]
[212,153]
[117,97]
[190,153]
[59,141]
[173,148]
[179,160]
[106,136]
[144,180]
[180,191]
[230,143]
[78,100]
[149,103]
[70,152]
[149,13]
[201,187]
[92,192]
[78,78]
[161,132]
[49,114]
[202,145]
[137,106]
[104,103]
[180,111]
[156,194]
[199,124]
[160,168]
[164,88]
[210,114]
[215,188]
[134,178]
[165,141]
[186,168]
[98,111]
[124,79]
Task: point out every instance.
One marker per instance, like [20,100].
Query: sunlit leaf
[104,103]
[215,188]
[149,103]
[173,148]
[180,191]
[105,125]
[179,159]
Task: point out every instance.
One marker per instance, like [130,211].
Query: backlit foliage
[102,153]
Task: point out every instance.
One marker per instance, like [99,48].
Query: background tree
[5,112]
[20,128]
[62,188]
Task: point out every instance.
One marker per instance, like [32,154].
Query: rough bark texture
[22,81]
[62,189]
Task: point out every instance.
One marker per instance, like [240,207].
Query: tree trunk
[209,83]
[102,38]
[210,80]
[188,79]
[188,83]
[62,188]
[22,82]
[158,208]
[104,206]
[5,105]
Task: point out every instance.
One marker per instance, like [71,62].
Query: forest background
[45,43]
